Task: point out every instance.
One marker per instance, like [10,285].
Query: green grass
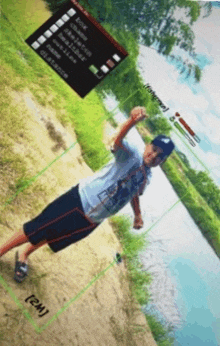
[132,245]
[161,334]
[85,115]
[138,278]
[88,125]
[179,163]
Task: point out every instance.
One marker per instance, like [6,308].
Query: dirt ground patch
[105,314]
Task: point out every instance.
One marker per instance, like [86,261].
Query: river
[185,292]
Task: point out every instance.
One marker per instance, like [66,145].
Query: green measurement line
[184,141]
[180,137]
[98,276]
[72,300]
[179,200]
[104,117]
[25,312]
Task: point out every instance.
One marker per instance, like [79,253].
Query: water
[185,292]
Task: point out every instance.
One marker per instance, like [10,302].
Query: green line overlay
[72,300]
[25,312]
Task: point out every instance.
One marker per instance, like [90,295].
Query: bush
[161,335]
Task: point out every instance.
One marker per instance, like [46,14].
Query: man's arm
[138,222]
[137,114]
[128,124]
[136,205]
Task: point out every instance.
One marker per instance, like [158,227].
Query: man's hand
[138,222]
[138,113]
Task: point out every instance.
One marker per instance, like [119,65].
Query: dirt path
[104,314]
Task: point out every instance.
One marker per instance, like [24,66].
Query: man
[75,214]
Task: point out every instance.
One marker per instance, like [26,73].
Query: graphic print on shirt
[116,196]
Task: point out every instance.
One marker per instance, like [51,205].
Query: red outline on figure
[92,224]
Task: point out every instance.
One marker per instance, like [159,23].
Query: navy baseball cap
[165,143]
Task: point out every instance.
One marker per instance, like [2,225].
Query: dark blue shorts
[61,223]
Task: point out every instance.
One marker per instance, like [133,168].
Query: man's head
[158,150]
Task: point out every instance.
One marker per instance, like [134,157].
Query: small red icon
[195,137]
[110,63]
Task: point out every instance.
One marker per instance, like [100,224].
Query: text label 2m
[35,302]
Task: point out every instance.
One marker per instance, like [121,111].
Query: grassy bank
[139,279]
[203,215]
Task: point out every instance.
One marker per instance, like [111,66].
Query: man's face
[151,154]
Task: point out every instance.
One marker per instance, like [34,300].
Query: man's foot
[23,260]
[21,268]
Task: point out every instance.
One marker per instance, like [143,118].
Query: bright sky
[198,104]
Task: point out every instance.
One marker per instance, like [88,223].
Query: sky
[198,104]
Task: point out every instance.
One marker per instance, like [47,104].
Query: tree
[156,24]
[183,158]
[158,125]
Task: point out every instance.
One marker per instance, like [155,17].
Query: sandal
[20,267]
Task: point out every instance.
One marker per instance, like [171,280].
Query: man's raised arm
[137,114]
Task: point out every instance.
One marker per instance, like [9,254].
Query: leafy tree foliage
[197,73]
[183,157]
[158,125]
[206,187]
[157,25]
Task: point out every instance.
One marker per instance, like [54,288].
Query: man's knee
[21,232]
[41,243]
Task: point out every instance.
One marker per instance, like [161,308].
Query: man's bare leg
[17,239]
[28,250]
